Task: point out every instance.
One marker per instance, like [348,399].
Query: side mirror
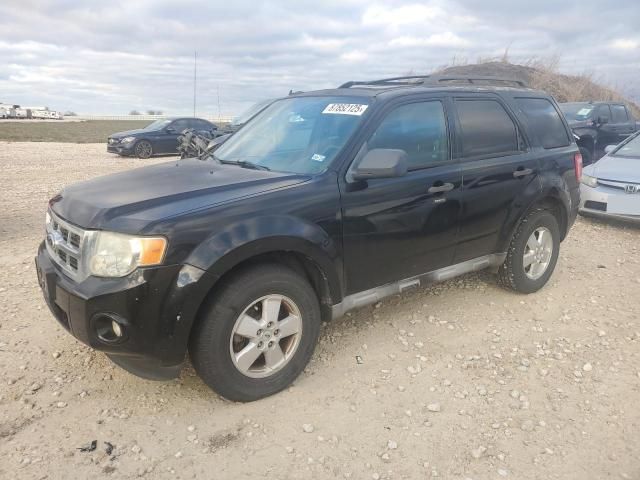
[602,120]
[609,148]
[381,163]
[170,130]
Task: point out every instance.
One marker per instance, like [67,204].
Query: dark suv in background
[324,202]
[157,138]
[598,124]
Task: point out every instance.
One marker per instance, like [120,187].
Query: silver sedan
[611,186]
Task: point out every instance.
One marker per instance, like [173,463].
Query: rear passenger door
[607,134]
[498,170]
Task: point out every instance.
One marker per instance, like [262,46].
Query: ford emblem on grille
[54,239]
[632,188]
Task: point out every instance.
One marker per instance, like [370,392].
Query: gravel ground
[460,380]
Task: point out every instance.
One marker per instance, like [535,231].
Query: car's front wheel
[532,254]
[257,334]
[143,149]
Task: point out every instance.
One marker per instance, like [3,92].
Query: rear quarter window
[619,114]
[545,121]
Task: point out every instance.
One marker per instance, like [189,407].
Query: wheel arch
[554,200]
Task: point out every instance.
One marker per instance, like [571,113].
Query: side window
[544,121]
[487,129]
[420,129]
[180,125]
[604,111]
[200,125]
[619,114]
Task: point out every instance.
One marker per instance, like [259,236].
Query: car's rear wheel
[257,334]
[143,149]
[532,254]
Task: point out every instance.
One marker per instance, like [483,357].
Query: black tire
[143,149]
[209,344]
[587,156]
[512,274]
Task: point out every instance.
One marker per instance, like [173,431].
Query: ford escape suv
[324,202]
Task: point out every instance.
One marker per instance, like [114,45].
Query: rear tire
[143,149]
[243,346]
[532,254]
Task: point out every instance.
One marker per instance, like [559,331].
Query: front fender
[240,241]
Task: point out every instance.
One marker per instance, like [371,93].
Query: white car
[611,186]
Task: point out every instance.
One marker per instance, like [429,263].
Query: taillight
[577,163]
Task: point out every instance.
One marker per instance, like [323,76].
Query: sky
[110,57]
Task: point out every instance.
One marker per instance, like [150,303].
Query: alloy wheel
[537,253]
[143,150]
[266,336]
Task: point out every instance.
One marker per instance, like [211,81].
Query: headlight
[589,181]
[128,139]
[117,255]
[47,220]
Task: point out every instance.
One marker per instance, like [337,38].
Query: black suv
[158,138]
[598,124]
[324,202]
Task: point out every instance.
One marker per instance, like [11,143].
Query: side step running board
[376,294]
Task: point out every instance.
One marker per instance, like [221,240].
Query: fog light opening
[109,328]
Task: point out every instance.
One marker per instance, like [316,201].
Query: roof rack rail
[435,80]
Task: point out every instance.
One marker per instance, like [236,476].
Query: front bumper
[155,305]
[597,202]
[121,148]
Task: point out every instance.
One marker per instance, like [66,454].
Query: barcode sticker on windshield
[584,111]
[345,108]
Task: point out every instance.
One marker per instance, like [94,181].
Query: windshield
[628,149]
[250,113]
[298,135]
[157,125]
[576,112]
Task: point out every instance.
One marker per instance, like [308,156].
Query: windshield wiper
[242,163]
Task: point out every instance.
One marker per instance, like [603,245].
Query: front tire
[532,254]
[257,334]
[143,149]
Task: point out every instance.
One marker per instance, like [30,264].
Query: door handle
[522,173]
[445,187]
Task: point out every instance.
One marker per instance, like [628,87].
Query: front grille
[113,141]
[64,244]
[615,184]
[601,206]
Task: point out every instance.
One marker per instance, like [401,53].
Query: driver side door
[397,228]
[168,138]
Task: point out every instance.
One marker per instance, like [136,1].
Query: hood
[128,133]
[619,169]
[129,201]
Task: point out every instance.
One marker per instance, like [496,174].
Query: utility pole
[195,66]
[218,92]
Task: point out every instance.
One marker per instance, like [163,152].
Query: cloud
[411,14]
[446,39]
[93,56]
[625,44]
